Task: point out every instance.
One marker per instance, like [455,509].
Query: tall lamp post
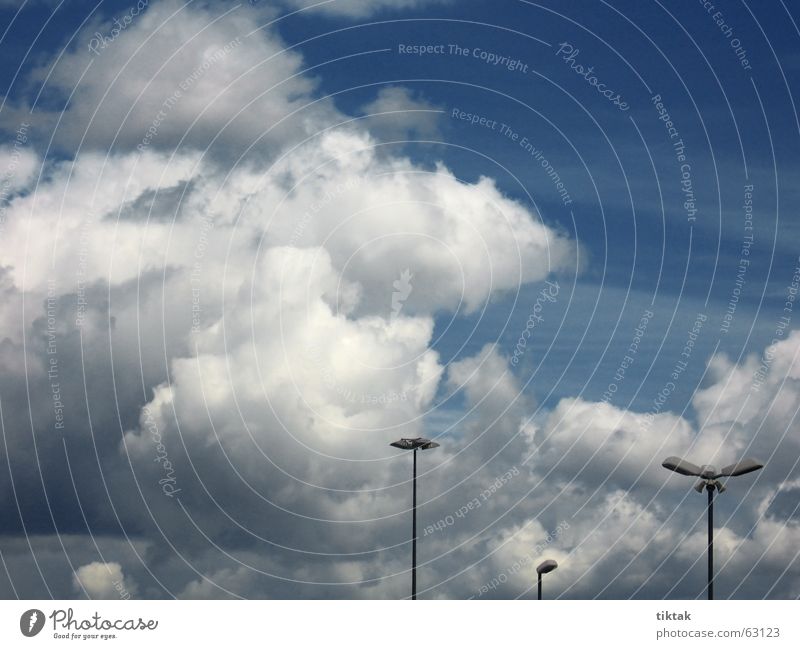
[709,480]
[414,444]
[543,568]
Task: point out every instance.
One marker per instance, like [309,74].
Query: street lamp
[413,444]
[709,480]
[548,565]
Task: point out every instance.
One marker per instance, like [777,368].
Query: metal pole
[710,541]
[414,535]
[540,585]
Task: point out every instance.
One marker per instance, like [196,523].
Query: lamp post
[414,444]
[709,480]
[548,565]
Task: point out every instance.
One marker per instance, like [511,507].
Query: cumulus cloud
[101,581]
[597,442]
[376,217]
[18,164]
[592,494]
[752,404]
[250,278]
[320,397]
[180,75]
[461,241]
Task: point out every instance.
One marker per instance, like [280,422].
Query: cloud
[250,377]
[102,581]
[219,585]
[338,191]
[398,114]
[597,443]
[219,291]
[592,495]
[751,406]
[461,241]
[180,75]
[18,165]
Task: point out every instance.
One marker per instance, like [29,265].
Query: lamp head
[679,465]
[548,565]
[709,472]
[413,443]
[748,465]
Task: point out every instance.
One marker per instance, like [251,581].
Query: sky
[246,245]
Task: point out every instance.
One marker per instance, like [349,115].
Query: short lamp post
[709,480]
[414,444]
[543,568]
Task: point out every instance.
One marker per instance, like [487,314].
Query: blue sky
[625,243]
[618,166]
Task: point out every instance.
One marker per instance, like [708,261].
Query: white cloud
[182,74]
[461,241]
[102,581]
[375,216]
[751,406]
[632,528]
[595,442]
[18,165]
[379,375]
